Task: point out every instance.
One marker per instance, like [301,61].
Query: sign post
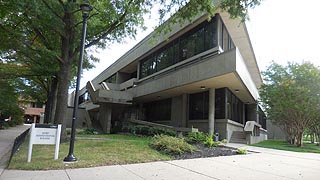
[44,134]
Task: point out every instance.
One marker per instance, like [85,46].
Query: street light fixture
[85,8]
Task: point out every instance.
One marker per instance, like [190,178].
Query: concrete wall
[83,118]
[221,128]
[255,139]
[176,111]
[233,126]
[274,131]
[202,125]
[225,128]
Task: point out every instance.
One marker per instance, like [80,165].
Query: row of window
[201,38]
[229,106]
[197,40]
[199,107]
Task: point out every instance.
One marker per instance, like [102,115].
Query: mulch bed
[203,152]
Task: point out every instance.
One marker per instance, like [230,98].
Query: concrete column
[176,111]
[105,117]
[212,93]
[184,110]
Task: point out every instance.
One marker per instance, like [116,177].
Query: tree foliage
[291,98]
[9,101]
[44,36]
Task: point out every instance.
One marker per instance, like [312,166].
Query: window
[262,119]
[220,103]
[84,97]
[112,79]
[226,42]
[158,110]
[165,58]
[195,41]
[234,107]
[199,106]
[226,99]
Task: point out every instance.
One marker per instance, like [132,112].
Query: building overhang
[223,70]
[239,34]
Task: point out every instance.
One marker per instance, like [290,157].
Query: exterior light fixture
[85,8]
[236,90]
[202,87]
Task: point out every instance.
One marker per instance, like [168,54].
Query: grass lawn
[109,150]
[283,145]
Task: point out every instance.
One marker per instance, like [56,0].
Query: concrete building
[202,74]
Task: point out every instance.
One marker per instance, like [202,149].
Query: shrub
[148,131]
[89,131]
[5,125]
[209,142]
[11,123]
[171,145]
[196,137]
[224,141]
[242,151]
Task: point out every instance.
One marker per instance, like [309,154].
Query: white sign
[44,134]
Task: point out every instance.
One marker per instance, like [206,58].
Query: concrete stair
[238,137]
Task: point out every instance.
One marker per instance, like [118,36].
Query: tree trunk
[62,98]
[50,104]
[312,138]
[65,65]
[299,139]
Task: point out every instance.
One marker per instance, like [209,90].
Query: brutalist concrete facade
[202,74]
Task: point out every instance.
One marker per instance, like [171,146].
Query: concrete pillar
[105,117]
[212,93]
[34,119]
[184,116]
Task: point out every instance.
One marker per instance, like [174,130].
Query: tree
[49,31]
[9,101]
[290,97]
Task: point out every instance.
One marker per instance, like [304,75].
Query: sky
[280,31]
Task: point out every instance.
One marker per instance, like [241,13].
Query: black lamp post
[85,8]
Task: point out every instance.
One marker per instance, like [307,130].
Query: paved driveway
[266,165]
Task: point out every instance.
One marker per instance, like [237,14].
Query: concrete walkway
[268,164]
[7,137]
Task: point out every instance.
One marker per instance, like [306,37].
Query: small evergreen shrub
[171,145]
[89,131]
[224,141]
[209,141]
[148,131]
[5,125]
[242,151]
[196,137]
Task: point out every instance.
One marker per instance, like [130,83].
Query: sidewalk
[266,165]
[7,137]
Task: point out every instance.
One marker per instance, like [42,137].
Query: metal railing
[17,142]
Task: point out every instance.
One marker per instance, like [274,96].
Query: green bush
[242,151]
[196,137]
[5,125]
[224,141]
[171,145]
[148,131]
[209,142]
[89,131]
[11,123]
